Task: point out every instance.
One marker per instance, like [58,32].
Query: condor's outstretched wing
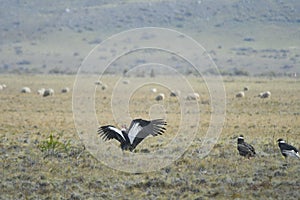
[110,132]
[140,129]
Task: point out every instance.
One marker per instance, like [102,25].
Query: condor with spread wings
[138,130]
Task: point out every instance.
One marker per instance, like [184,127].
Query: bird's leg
[285,162]
[126,157]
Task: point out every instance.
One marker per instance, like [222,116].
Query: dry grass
[28,119]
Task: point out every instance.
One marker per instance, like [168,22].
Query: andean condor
[287,149]
[244,148]
[138,130]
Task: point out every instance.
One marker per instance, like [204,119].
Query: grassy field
[35,167]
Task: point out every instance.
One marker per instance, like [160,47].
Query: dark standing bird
[244,148]
[287,150]
[138,130]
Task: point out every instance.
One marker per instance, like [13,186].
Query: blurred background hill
[243,37]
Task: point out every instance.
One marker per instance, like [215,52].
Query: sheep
[246,88]
[41,91]
[126,82]
[240,94]
[104,87]
[264,95]
[160,97]
[102,84]
[98,83]
[154,90]
[48,92]
[25,90]
[175,93]
[193,96]
[65,90]
[2,86]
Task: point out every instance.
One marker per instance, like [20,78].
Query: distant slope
[55,36]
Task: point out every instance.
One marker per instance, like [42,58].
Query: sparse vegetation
[32,124]
[52,146]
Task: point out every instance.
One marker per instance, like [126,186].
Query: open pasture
[34,166]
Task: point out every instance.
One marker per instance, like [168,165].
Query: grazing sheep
[1,87]
[48,92]
[160,97]
[264,95]
[25,90]
[126,82]
[102,84]
[154,90]
[175,93]
[98,83]
[246,88]
[104,87]
[65,90]
[193,96]
[240,94]
[41,91]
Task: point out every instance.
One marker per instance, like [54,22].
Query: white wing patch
[291,153]
[117,131]
[135,129]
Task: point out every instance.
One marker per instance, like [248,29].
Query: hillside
[55,36]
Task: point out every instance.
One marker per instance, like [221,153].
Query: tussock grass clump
[53,147]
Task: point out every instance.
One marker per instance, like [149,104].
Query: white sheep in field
[65,90]
[240,94]
[160,97]
[154,90]
[193,96]
[98,83]
[264,95]
[41,91]
[25,90]
[104,87]
[126,82]
[175,93]
[1,87]
[48,92]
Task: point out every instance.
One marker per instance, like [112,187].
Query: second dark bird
[287,149]
[244,148]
